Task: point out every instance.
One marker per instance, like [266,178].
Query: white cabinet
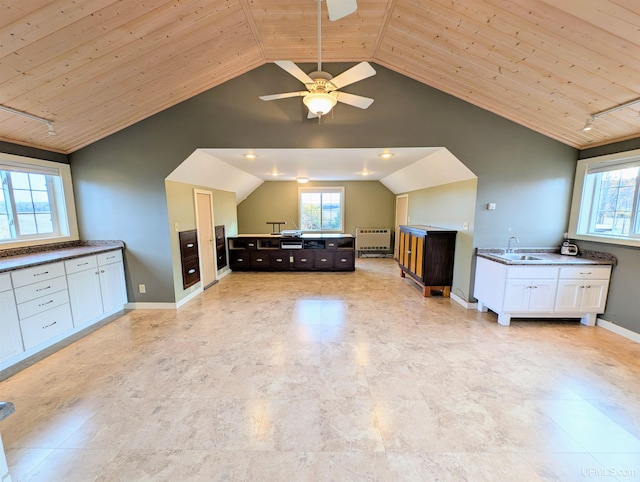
[96,286]
[541,291]
[10,336]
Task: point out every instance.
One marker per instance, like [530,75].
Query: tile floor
[328,376]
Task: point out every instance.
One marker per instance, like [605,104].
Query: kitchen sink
[519,257]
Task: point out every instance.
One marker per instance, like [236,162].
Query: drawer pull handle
[331,245]
[251,245]
[240,260]
[192,270]
[41,274]
[83,264]
[279,260]
[47,303]
[344,260]
[190,245]
[588,272]
[304,260]
[110,257]
[324,260]
[259,260]
[45,288]
[49,326]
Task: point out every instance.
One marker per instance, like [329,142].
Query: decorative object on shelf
[273,224]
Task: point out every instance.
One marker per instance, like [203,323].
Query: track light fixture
[589,124]
[47,122]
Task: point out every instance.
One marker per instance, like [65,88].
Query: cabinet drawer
[43,303]
[80,264]
[538,272]
[109,257]
[43,272]
[42,288]
[44,326]
[302,260]
[188,244]
[259,260]
[344,260]
[5,282]
[585,272]
[279,260]
[324,259]
[190,272]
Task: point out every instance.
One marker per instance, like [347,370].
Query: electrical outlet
[465,225]
[142,288]
[408,219]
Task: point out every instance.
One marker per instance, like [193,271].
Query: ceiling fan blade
[284,95]
[354,74]
[340,8]
[354,100]
[294,70]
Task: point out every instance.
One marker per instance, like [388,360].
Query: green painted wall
[181,210]
[368,204]
[450,206]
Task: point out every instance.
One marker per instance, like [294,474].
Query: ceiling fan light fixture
[319,103]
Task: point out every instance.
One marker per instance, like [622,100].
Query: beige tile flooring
[328,376]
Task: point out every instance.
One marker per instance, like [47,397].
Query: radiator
[373,239]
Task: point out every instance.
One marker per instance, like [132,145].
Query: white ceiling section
[408,168]
[96,67]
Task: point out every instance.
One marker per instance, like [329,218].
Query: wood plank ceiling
[97,67]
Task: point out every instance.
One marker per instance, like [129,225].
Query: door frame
[213,234]
[396,242]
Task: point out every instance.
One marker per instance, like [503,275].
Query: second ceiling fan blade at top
[340,8]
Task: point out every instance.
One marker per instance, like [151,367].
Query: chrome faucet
[509,248]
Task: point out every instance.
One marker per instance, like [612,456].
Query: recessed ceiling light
[302,180]
[364,172]
[386,155]
[250,155]
[274,173]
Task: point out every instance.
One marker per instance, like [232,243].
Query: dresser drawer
[80,264]
[585,272]
[109,257]
[44,326]
[344,260]
[42,288]
[43,303]
[5,282]
[23,277]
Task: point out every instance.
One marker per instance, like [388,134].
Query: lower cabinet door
[113,287]
[85,296]
[10,338]
[594,296]
[44,326]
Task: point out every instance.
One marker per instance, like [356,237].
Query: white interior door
[206,246]
[402,218]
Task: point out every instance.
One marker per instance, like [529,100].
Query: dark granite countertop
[19,258]
[546,257]
[6,409]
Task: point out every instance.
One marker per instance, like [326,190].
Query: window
[33,200]
[606,204]
[321,208]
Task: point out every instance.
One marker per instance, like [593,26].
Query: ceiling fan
[322,88]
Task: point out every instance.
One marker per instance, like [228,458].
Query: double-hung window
[321,209]
[33,201]
[607,199]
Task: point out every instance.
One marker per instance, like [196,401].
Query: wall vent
[373,240]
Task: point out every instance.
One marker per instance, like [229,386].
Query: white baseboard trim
[188,298]
[463,302]
[618,330]
[223,273]
[150,306]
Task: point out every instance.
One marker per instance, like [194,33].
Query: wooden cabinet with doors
[221,250]
[426,254]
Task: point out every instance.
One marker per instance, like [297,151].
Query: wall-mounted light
[589,124]
[302,180]
[47,122]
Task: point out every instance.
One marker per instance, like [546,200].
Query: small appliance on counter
[569,249]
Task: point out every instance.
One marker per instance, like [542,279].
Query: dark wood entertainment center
[309,252]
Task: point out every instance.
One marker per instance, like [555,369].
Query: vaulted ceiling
[97,67]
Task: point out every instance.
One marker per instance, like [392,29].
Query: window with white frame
[33,201]
[606,202]
[321,208]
